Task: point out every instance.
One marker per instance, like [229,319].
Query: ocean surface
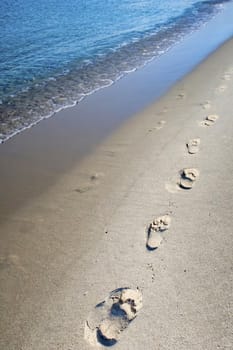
[54,53]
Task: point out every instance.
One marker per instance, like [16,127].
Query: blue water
[54,53]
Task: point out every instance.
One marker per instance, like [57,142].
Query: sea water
[56,52]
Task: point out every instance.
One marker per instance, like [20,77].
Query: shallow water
[54,53]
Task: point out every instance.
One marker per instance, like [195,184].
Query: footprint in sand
[83,189]
[154,237]
[159,126]
[110,317]
[209,120]
[193,145]
[220,89]
[180,96]
[96,176]
[188,176]
[206,105]
[163,111]
[92,181]
[226,77]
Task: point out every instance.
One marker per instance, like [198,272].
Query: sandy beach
[67,244]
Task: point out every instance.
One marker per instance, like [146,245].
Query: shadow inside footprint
[110,317]
[104,341]
[96,176]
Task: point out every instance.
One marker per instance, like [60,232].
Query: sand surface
[64,251]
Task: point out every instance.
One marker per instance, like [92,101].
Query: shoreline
[200,37]
[42,154]
[63,250]
[13,115]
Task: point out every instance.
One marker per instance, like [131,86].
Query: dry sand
[66,250]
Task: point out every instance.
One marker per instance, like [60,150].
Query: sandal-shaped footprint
[188,176]
[154,238]
[110,317]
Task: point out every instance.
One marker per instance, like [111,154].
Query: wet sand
[64,249]
[41,155]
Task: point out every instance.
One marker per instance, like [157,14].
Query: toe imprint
[188,178]
[193,146]
[162,223]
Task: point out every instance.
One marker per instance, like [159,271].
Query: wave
[44,97]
